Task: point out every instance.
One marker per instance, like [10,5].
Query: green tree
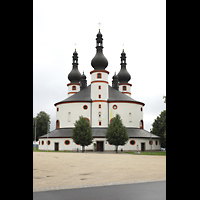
[116,133]
[42,121]
[159,127]
[82,132]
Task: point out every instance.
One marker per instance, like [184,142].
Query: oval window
[132,142]
[114,107]
[67,142]
[85,107]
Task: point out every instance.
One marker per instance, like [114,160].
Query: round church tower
[124,77]
[74,76]
[99,85]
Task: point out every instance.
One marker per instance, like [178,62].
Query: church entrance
[142,146]
[99,145]
[56,146]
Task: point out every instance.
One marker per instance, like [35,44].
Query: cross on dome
[99,25]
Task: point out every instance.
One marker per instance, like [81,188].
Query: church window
[141,108]
[156,142]
[67,142]
[124,88]
[150,142]
[99,105]
[42,142]
[57,109]
[73,87]
[57,124]
[132,142]
[99,87]
[99,123]
[87,119]
[130,116]
[69,116]
[111,120]
[99,96]
[48,142]
[141,124]
[99,75]
[85,107]
[114,107]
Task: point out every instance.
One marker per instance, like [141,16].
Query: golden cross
[99,25]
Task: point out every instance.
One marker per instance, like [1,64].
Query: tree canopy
[116,133]
[82,132]
[159,127]
[43,122]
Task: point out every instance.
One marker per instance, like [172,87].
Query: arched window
[130,117]
[141,124]
[73,87]
[124,88]
[57,124]
[99,75]
[69,116]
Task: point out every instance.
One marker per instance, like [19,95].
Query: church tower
[99,85]
[74,76]
[124,77]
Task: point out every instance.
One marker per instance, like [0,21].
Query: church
[99,102]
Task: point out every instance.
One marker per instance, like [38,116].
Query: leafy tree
[82,132]
[43,122]
[159,127]
[116,133]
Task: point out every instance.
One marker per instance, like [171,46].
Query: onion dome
[74,76]
[83,82]
[123,75]
[99,62]
[115,83]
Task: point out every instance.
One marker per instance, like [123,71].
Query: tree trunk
[116,147]
[83,149]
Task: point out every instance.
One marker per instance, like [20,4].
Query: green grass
[155,153]
[36,150]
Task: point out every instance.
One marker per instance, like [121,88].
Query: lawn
[157,153]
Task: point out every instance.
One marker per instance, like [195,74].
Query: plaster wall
[69,112]
[106,146]
[130,113]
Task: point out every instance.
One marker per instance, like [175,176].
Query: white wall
[95,114]
[128,89]
[76,110]
[70,89]
[123,109]
[107,147]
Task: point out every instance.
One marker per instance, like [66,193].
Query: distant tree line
[159,126]
[42,121]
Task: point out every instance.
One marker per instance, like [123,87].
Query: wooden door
[142,146]
[56,146]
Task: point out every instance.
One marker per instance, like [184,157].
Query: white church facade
[99,103]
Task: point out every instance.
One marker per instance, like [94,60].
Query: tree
[116,133]
[82,132]
[43,122]
[159,127]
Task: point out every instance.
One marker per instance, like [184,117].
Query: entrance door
[99,145]
[56,146]
[142,146]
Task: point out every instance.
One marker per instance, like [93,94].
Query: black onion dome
[115,76]
[99,62]
[83,76]
[74,76]
[123,75]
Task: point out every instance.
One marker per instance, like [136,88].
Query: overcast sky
[138,24]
